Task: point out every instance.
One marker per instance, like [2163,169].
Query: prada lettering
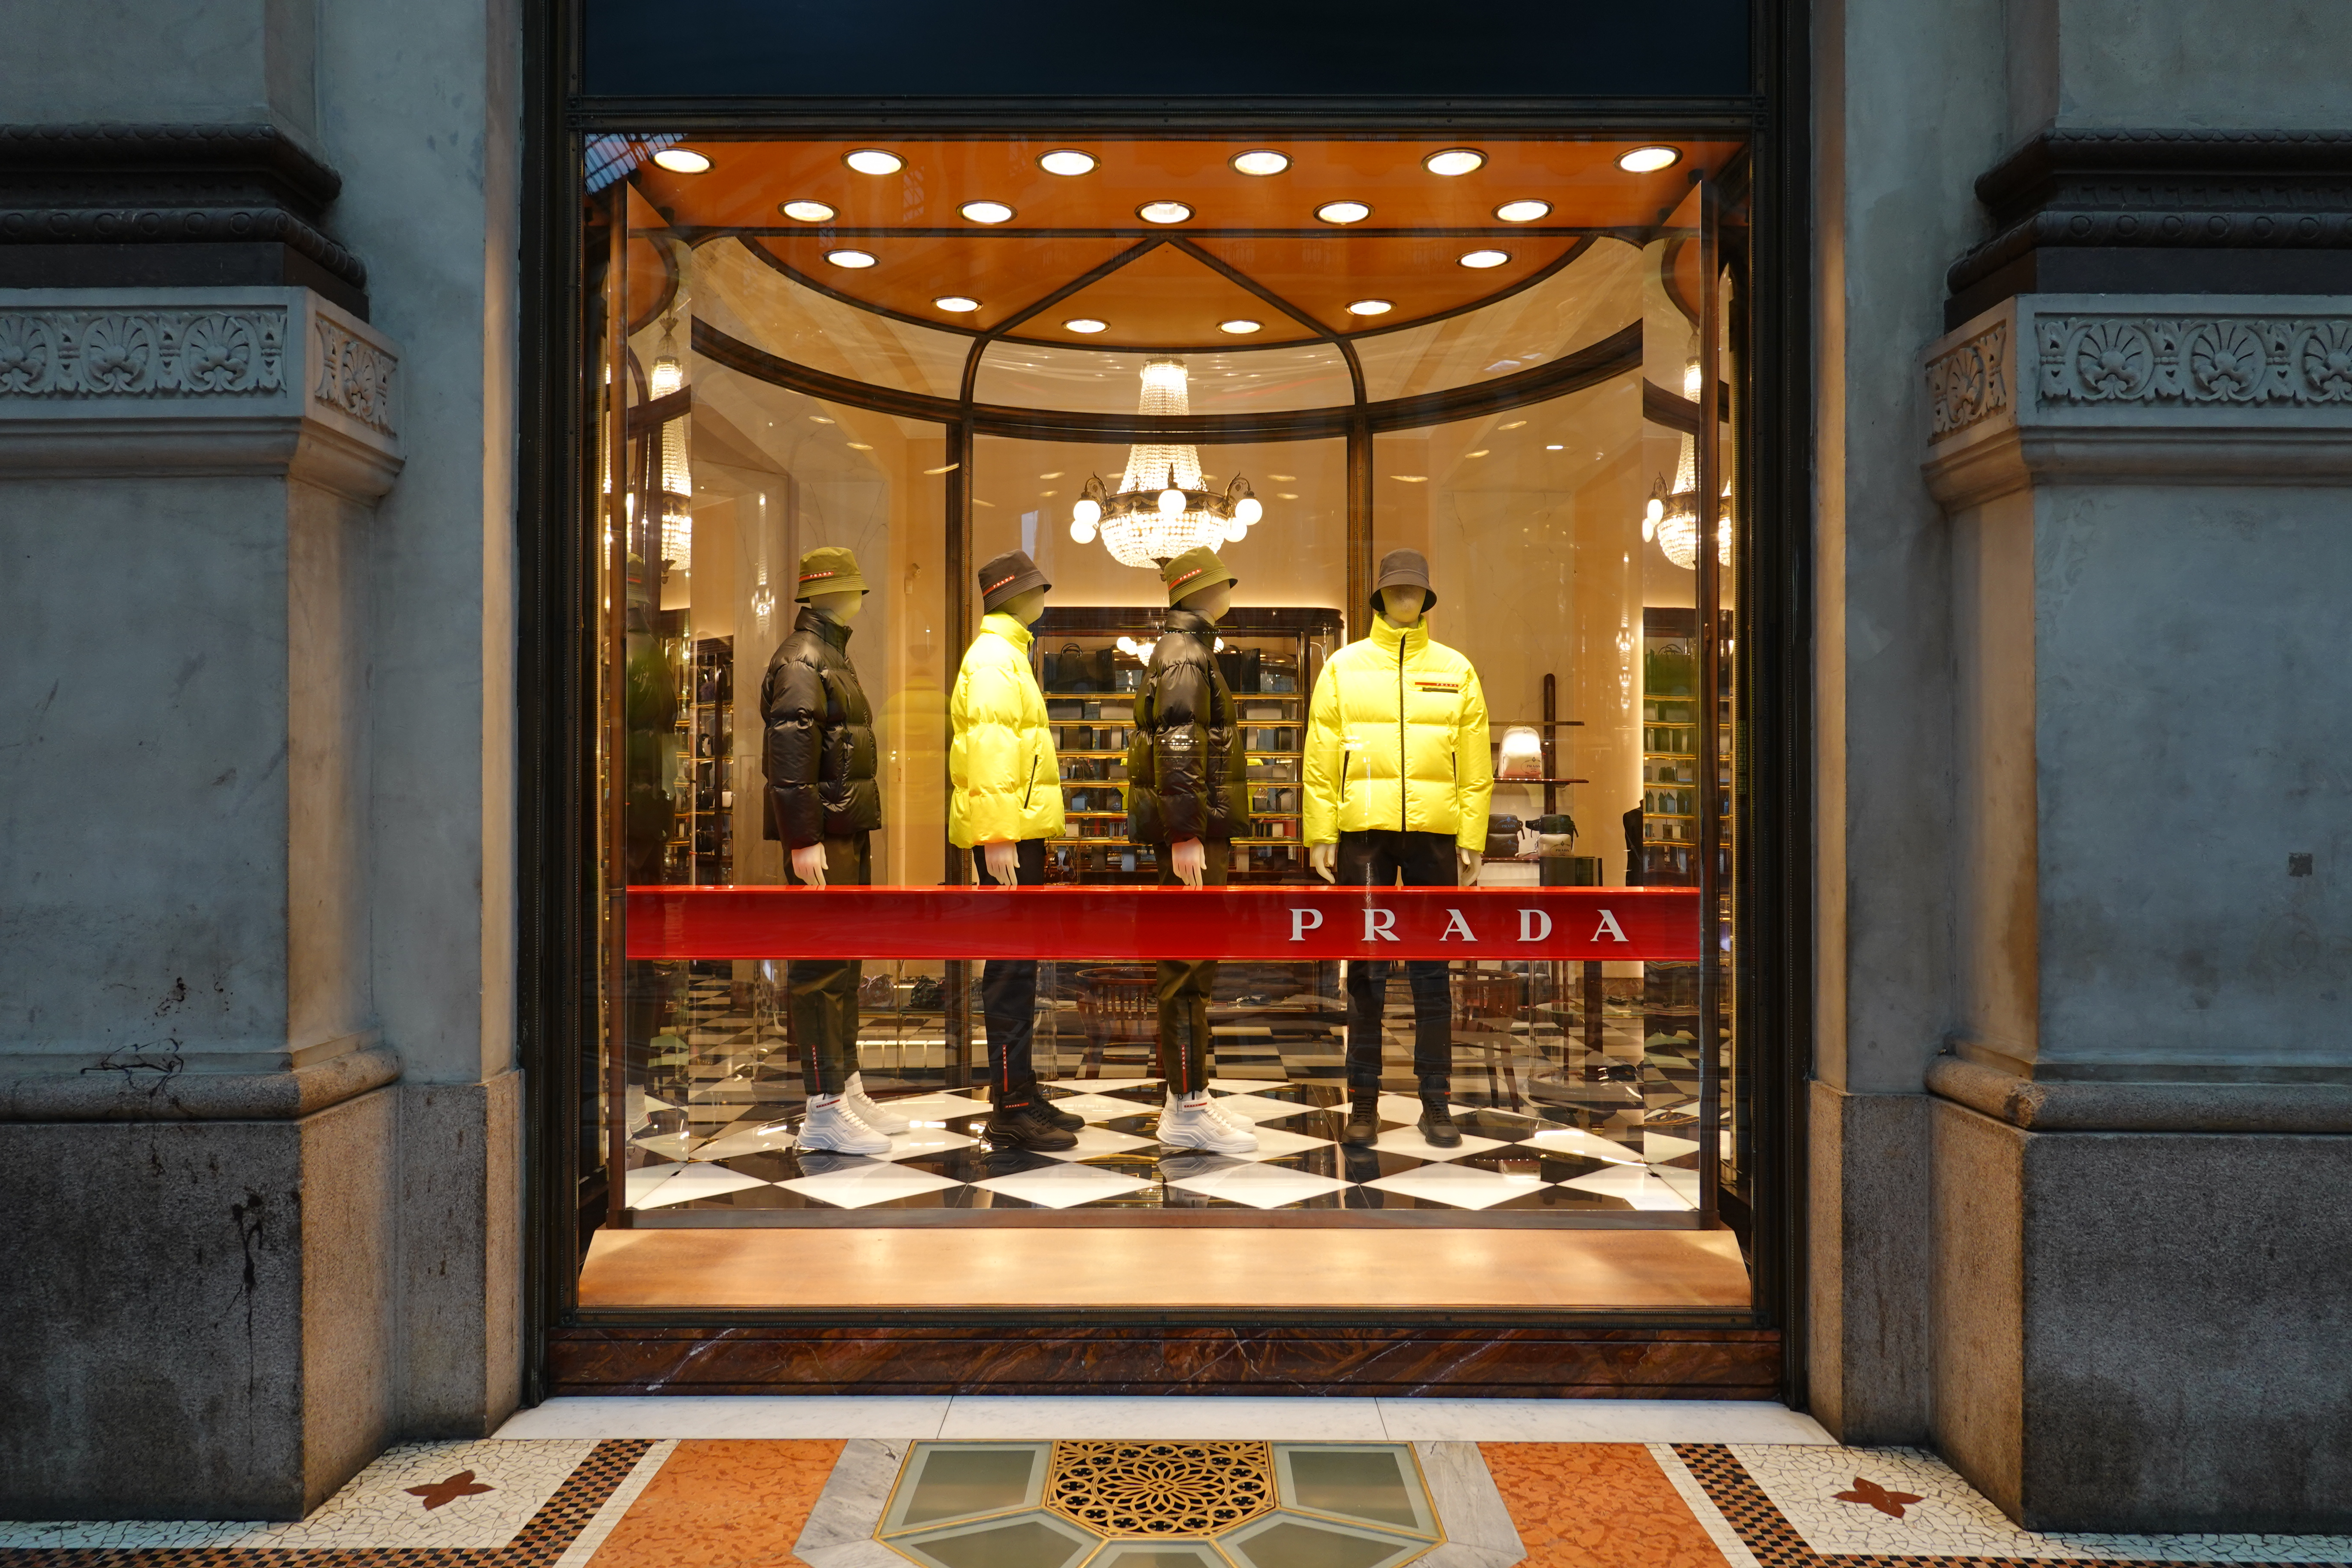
[1380,925]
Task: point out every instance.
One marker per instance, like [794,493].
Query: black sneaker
[1437,1125]
[1023,1127]
[1059,1118]
[1363,1119]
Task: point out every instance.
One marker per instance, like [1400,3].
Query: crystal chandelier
[1672,518]
[667,376]
[1162,506]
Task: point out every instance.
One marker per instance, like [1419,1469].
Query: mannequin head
[1210,603]
[1401,606]
[1024,607]
[841,608]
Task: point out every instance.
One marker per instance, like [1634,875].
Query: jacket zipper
[1404,802]
[1029,788]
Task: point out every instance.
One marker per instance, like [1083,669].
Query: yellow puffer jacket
[1396,739]
[1004,781]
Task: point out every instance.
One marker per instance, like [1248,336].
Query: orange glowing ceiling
[1245,237]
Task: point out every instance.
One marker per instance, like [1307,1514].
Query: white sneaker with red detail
[872,1112]
[832,1125]
[1189,1123]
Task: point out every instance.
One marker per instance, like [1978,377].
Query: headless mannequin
[1188,857]
[808,860]
[1003,856]
[1400,608]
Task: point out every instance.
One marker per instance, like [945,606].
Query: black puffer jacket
[1188,776]
[820,738]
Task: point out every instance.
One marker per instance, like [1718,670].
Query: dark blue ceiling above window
[1170,49]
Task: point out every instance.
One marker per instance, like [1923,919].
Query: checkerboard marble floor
[841,1483]
[1615,1133]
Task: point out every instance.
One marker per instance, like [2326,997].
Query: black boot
[1363,1118]
[1437,1124]
[1026,1127]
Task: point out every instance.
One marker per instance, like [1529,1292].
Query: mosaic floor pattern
[1134,1503]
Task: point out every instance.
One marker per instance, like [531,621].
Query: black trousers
[1381,857]
[1182,986]
[1008,994]
[825,990]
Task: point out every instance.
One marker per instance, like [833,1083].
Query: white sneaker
[1232,1119]
[832,1125]
[872,1112]
[1192,1125]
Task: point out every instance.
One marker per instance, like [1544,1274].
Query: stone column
[2142,1136]
[195,1103]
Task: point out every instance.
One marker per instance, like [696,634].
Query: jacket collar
[1005,627]
[1389,638]
[831,629]
[1191,623]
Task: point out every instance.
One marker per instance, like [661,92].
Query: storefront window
[1450,446]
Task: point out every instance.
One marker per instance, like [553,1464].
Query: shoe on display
[832,1125]
[1190,1124]
[1061,1119]
[1437,1127]
[1233,1119]
[1026,1127]
[1363,1118]
[871,1111]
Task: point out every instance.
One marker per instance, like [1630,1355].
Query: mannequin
[1188,795]
[1399,775]
[824,802]
[1006,802]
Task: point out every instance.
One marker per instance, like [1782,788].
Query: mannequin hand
[1191,859]
[1471,860]
[1323,860]
[1004,861]
[808,864]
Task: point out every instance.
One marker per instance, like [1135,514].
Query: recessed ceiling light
[1485,259]
[1479,453]
[850,258]
[956,304]
[1261,161]
[682,160]
[1084,324]
[874,160]
[859,447]
[1453,160]
[1369,308]
[1284,479]
[986,212]
[807,212]
[1343,212]
[1285,495]
[1164,212]
[1522,212]
[1238,327]
[819,419]
[1054,475]
[1068,160]
[1513,425]
[1554,447]
[1650,160]
[1410,478]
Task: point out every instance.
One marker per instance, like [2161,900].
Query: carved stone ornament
[67,353]
[354,376]
[1969,382]
[2182,361]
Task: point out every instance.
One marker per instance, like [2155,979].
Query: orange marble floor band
[1593,1271]
[720,1504]
[1596,1505]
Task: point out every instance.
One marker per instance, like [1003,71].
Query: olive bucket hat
[831,570]
[1196,569]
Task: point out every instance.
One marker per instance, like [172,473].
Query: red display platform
[1115,923]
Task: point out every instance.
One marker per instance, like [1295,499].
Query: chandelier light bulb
[957,304]
[1523,212]
[874,160]
[1084,324]
[807,212]
[1068,160]
[1369,308]
[1343,212]
[1083,531]
[1650,160]
[986,212]
[1239,328]
[682,160]
[1691,381]
[1261,161]
[1164,212]
[852,260]
[1249,509]
[1485,259]
[1455,161]
[1171,502]
[1088,513]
